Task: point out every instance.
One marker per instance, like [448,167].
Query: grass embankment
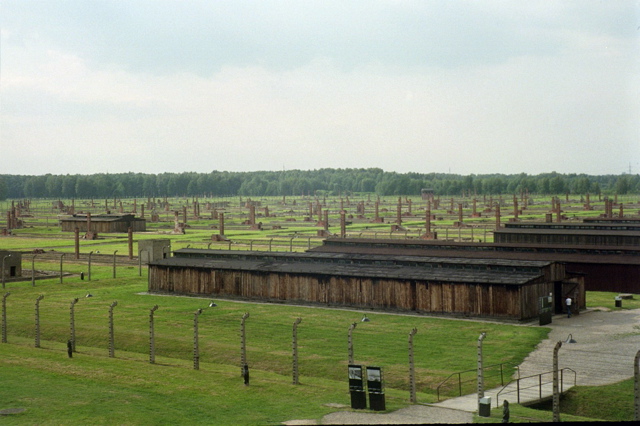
[127,389]
[613,403]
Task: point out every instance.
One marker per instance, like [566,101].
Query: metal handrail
[539,384]
[459,374]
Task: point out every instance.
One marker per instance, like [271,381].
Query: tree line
[303,182]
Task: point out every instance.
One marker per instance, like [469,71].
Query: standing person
[568,303]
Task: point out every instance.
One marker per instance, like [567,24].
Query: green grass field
[91,387]
[128,389]
[56,389]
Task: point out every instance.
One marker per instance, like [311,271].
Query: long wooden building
[103,223]
[568,236]
[605,268]
[502,289]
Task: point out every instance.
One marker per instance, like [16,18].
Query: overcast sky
[465,87]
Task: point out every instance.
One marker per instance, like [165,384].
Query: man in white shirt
[568,303]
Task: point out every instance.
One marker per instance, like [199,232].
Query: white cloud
[556,103]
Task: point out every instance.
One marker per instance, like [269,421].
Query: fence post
[636,386]
[33,271]
[412,372]
[114,263]
[196,347]
[294,346]
[540,386]
[72,324]
[89,265]
[556,394]
[243,343]
[111,334]
[61,257]
[350,342]
[38,299]
[480,369]
[4,317]
[152,343]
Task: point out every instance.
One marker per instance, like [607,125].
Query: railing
[523,383]
[489,371]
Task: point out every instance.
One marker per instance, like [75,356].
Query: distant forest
[299,182]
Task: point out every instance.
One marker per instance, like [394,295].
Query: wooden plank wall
[568,239]
[507,301]
[105,227]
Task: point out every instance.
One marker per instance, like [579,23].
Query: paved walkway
[606,344]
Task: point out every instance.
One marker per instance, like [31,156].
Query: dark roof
[611,220]
[594,226]
[626,255]
[359,270]
[544,231]
[361,258]
[101,218]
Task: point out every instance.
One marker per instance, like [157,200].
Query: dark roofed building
[503,289]
[568,236]
[103,223]
[605,268]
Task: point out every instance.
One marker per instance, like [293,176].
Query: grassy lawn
[56,389]
[606,299]
[127,389]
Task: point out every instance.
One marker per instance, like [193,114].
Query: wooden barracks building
[505,279]
[103,223]
[480,287]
